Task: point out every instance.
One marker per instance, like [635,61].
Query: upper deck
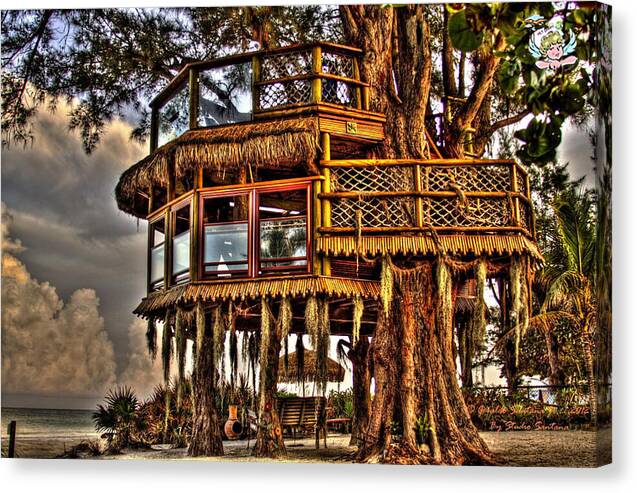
[261,85]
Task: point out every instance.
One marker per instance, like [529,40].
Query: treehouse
[261,185]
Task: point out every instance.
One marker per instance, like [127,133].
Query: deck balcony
[256,86]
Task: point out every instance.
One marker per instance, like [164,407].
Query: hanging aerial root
[180,343]
[284,325]
[200,320]
[386,283]
[151,338]
[312,319]
[519,299]
[166,346]
[300,359]
[322,345]
[358,307]
[478,318]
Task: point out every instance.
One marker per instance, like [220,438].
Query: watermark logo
[550,44]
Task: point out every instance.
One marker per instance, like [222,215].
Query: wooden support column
[168,247]
[195,235]
[193,90]
[316,224]
[326,213]
[516,200]
[151,199]
[256,77]
[528,194]
[357,91]
[418,200]
[317,68]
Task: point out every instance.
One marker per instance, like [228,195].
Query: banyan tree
[291,199]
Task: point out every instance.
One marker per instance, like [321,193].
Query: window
[174,116]
[225,235]
[255,232]
[181,243]
[282,230]
[156,255]
[225,95]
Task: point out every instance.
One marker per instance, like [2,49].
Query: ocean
[46,433]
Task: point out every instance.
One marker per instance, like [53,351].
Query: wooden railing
[251,85]
[414,196]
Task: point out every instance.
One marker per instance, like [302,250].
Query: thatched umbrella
[335,372]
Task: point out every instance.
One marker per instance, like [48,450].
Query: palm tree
[120,416]
[569,280]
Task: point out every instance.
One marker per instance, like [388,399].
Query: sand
[515,448]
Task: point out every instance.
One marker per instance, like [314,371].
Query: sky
[73,269]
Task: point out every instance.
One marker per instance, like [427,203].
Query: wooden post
[168,247]
[316,223]
[256,77]
[195,234]
[11,431]
[418,204]
[357,91]
[151,199]
[317,68]
[326,206]
[193,90]
[514,188]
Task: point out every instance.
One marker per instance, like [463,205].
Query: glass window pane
[283,228]
[225,95]
[174,116]
[181,252]
[158,235]
[283,238]
[226,247]
[157,264]
[181,241]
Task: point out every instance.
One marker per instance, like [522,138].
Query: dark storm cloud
[65,215]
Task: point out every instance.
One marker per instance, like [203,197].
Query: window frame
[179,277]
[160,283]
[203,196]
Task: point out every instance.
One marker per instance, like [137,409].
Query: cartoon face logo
[550,44]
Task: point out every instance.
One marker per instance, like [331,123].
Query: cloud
[49,346]
[142,373]
[64,212]
[52,347]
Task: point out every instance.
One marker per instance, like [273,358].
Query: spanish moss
[285,324]
[322,345]
[358,307]
[312,319]
[151,338]
[386,284]
[200,316]
[444,292]
[166,347]
[180,343]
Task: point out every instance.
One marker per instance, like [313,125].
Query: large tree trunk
[269,441]
[360,388]
[589,358]
[414,370]
[421,384]
[557,376]
[206,428]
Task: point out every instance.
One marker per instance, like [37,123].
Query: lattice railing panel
[338,92]
[338,64]
[525,216]
[521,182]
[374,212]
[286,65]
[443,212]
[378,179]
[496,178]
[284,93]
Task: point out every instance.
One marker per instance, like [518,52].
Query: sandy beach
[515,448]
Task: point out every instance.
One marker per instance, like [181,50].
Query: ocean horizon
[48,424]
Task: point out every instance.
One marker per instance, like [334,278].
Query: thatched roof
[272,143]
[241,289]
[335,372]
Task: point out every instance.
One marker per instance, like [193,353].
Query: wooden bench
[300,414]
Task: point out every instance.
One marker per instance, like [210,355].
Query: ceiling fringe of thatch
[335,372]
[427,245]
[240,289]
[263,144]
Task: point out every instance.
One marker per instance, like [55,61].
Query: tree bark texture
[358,355]
[206,427]
[269,441]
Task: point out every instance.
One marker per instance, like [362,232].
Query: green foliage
[341,403]
[463,36]
[119,416]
